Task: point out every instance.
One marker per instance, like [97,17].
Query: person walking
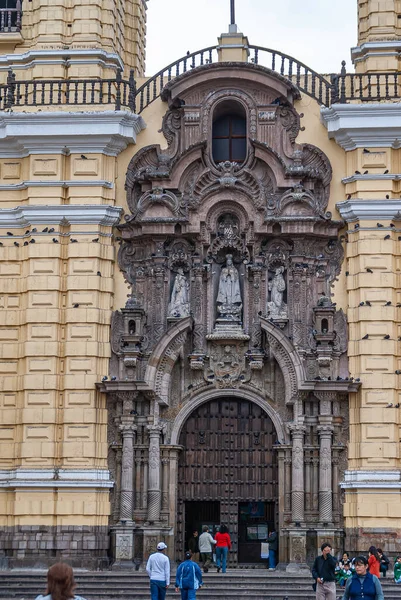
[158,569]
[374,561]
[60,583]
[273,547]
[193,545]
[384,562]
[363,585]
[206,543]
[223,545]
[323,571]
[188,578]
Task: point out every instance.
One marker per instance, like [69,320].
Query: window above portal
[229,133]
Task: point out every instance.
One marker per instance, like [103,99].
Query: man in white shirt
[206,543]
[158,569]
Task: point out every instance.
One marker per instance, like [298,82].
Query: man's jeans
[221,558]
[272,559]
[157,589]
[188,594]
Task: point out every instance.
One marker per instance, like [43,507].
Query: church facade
[200,293]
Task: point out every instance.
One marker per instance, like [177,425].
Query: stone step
[238,584]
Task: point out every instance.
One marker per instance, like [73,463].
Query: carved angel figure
[179,302]
[277,307]
[229,296]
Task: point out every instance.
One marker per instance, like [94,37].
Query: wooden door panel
[228,457]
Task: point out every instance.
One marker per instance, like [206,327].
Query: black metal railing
[152,88]
[10,18]
[367,87]
[300,75]
[118,92]
[121,93]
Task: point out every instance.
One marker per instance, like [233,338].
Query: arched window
[229,133]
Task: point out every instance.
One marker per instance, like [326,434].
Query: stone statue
[178,307]
[229,302]
[276,308]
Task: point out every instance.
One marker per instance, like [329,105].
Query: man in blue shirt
[158,569]
[188,578]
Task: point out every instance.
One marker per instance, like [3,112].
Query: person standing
[363,585]
[188,578]
[206,543]
[158,569]
[374,561]
[223,545]
[193,545]
[323,571]
[384,562]
[273,547]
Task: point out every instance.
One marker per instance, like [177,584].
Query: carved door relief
[228,457]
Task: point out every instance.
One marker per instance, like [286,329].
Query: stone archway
[228,472]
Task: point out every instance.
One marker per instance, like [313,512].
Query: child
[397,570]
[344,569]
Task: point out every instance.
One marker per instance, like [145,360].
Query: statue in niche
[178,307]
[229,302]
[277,308]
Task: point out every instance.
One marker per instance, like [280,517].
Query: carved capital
[127,429]
[325,431]
[297,431]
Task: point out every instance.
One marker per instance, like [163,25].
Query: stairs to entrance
[238,584]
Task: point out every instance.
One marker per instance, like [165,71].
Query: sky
[319,33]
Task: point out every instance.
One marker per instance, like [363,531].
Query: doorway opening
[198,514]
[255,520]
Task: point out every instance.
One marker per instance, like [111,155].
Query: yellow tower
[58,178]
[379,36]
[368,132]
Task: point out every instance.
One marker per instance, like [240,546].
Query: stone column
[154,489]
[325,475]
[128,430]
[298,487]
[198,273]
[165,463]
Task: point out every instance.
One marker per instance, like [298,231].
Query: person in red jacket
[374,562]
[223,545]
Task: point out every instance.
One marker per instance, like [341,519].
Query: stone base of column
[154,534]
[332,536]
[122,545]
[297,550]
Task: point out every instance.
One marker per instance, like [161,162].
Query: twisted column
[127,472]
[298,486]
[154,490]
[325,474]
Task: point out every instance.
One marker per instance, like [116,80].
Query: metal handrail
[10,18]
[152,88]
[121,93]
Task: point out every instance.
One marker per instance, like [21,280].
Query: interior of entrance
[198,514]
[255,520]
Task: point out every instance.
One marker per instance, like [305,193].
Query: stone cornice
[54,56]
[383,480]
[354,210]
[56,183]
[372,177]
[106,132]
[359,125]
[61,478]
[72,214]
[378,48]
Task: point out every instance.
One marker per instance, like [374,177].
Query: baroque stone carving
[179,301]
[229,301]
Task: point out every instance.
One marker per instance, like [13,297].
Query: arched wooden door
[228,474]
